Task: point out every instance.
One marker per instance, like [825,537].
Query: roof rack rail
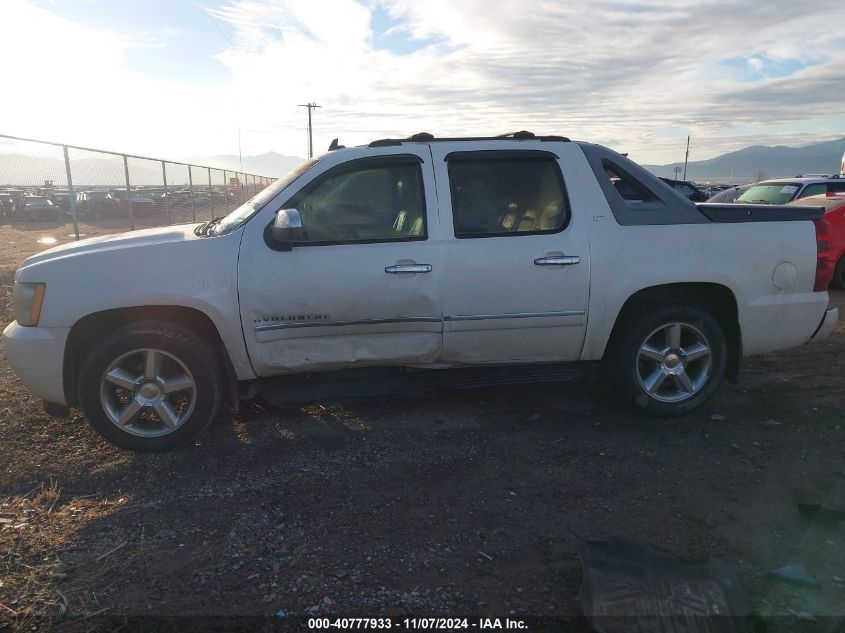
[522,134]
[425,137]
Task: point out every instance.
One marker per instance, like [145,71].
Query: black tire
[622,363]
[838,280]
[177,342]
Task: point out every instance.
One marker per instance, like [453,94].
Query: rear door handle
[558,260]
[408,268]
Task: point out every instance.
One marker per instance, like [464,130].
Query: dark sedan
[142,204]
[730,194]
[95,203]
[32,208]
[687,189]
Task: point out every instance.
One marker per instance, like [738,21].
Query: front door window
[363,204]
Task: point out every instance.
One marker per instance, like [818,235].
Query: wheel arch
[92,327]
[716,298]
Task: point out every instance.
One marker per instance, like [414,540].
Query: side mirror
[285,230]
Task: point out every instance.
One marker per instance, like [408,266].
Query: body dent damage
[334,352]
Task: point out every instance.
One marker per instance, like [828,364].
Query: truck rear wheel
[667,360]
[150,386]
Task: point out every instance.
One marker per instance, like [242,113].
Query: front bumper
[828,324]
[36,354]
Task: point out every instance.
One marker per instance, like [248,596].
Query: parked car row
[51,204]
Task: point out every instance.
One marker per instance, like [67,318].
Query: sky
[178,78]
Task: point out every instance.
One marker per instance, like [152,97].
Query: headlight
[28,301]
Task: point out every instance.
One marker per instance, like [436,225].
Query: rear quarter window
[629,188]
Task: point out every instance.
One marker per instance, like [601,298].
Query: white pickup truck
[471,260]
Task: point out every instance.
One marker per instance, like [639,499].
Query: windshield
[252,206]
[773,193]
[98,195]
[36,200]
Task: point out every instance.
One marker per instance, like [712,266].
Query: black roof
[425,137]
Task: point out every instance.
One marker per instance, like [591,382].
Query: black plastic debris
[794,575]
[632,587]
[821,511]
[824,506]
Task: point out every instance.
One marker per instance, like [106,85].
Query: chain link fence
[52,193]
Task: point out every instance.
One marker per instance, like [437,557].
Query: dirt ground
[19,240]
[464,503]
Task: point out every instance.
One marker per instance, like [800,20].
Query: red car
[833,226]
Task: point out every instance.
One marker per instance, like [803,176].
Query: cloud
[609,72]
[638,77]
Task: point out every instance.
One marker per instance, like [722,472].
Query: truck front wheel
[668,360]
[150,386]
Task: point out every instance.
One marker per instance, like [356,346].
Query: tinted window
[366,204]
[628,187]
[506,196]
[836,187]
[813,190]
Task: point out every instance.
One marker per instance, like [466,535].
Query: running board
[367,383]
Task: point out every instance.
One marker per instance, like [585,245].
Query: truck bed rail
[730,213]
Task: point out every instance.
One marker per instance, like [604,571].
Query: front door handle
[558,260]
[408,268]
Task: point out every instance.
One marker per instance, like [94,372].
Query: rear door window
[504,196]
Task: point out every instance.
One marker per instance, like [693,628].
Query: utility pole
[310,107]
[686,158]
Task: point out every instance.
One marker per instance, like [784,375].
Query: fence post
[210,194]
[128,194]
[226,185]
[166,201]
[72,194]
[191,185]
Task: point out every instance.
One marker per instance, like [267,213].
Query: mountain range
[750,163]
[270,164]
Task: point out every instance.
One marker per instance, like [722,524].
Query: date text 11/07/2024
[447,624]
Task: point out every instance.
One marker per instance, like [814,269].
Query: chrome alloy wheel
[148,392]
[674,363]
